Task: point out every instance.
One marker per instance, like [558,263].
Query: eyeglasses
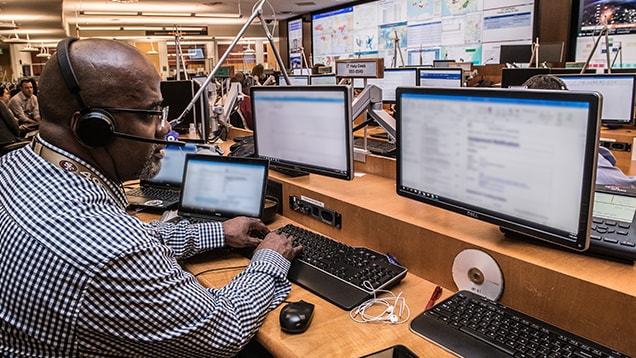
[162,113]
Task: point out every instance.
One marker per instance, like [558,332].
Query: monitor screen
[442,63]
[178,95]
[304,127]
[551,52]
[329,79]
[196,54]
[524,160]
[394,77]
[515,53]
[617,91]
[440,77]
[296,80]
[516,77]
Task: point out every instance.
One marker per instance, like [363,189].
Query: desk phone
[613,229]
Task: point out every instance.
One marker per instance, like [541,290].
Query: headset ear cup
[95,128]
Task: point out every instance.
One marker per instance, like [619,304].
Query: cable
[396,311]
[220,269]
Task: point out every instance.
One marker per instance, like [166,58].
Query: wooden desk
[332,333]
[588,296]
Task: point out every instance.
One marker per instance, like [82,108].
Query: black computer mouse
[296,316]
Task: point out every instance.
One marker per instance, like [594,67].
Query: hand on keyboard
[281,243]
[239,231]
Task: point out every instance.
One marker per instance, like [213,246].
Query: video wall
[620,17]
[416,32]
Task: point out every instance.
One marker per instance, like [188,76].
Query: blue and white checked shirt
[81,277]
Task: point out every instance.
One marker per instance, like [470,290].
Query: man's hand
[283,244]
[244,232]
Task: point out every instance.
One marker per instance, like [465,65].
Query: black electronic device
[306,128]
[516,77]
[618,91]
[551,52]
[295,317]
[524,160]
[510,54]
[96,126]
[341,274]
[470,325]
[177,95]
[613,232]
[396,351]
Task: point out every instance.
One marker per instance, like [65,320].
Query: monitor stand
[288,170]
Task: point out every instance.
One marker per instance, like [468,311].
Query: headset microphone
[149,140]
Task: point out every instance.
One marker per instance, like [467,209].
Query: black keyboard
[338,272]
[161,194]
[375,146]
[473,326]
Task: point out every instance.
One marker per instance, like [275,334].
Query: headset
[95,126]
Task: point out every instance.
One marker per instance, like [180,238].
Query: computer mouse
[296,316]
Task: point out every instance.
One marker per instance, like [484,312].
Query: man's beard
[152,164]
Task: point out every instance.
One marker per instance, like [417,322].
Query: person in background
[9,131]
[260,77]
[24,104]
[607,173]
[79,276]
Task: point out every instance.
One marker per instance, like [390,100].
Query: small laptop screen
[223,187]
[171,172]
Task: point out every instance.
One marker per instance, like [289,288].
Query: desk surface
[332,333]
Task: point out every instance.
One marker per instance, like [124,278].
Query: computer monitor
[617,90]
[296,80]
[328,79]
[394,77]
[516,77]
[440,77]
[524,160]
[306,128]
[211,88]
[178,95]
[515,53]
[196,54]
[442,63]
[551,52]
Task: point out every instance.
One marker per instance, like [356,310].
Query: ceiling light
[219,15]
[29,48]
[168,14]
[15,39]
[110,13]
[125,1]
[44,52]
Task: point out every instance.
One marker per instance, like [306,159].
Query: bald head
[109,74]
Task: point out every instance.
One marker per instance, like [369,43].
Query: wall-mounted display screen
[422,31]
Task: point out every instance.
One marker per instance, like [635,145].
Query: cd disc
[476,271]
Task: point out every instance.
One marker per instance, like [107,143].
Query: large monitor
[617,90]
[551,52]
[515,77]
[296,80]
[440,77]
[515,53]
[178,95]
[393,78]
[524,160]
[305,128]
[321,80]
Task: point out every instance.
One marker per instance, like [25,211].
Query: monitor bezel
[281,79]
[611,121]
[508,223]
[440,69]
[349,172]
[324,75]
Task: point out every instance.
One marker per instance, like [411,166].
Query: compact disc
[476,271]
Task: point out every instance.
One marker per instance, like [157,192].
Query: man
[24,105]
[81,277]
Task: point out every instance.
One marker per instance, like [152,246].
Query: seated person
[25,107]
[261,78]
[606,170]
[9,131]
